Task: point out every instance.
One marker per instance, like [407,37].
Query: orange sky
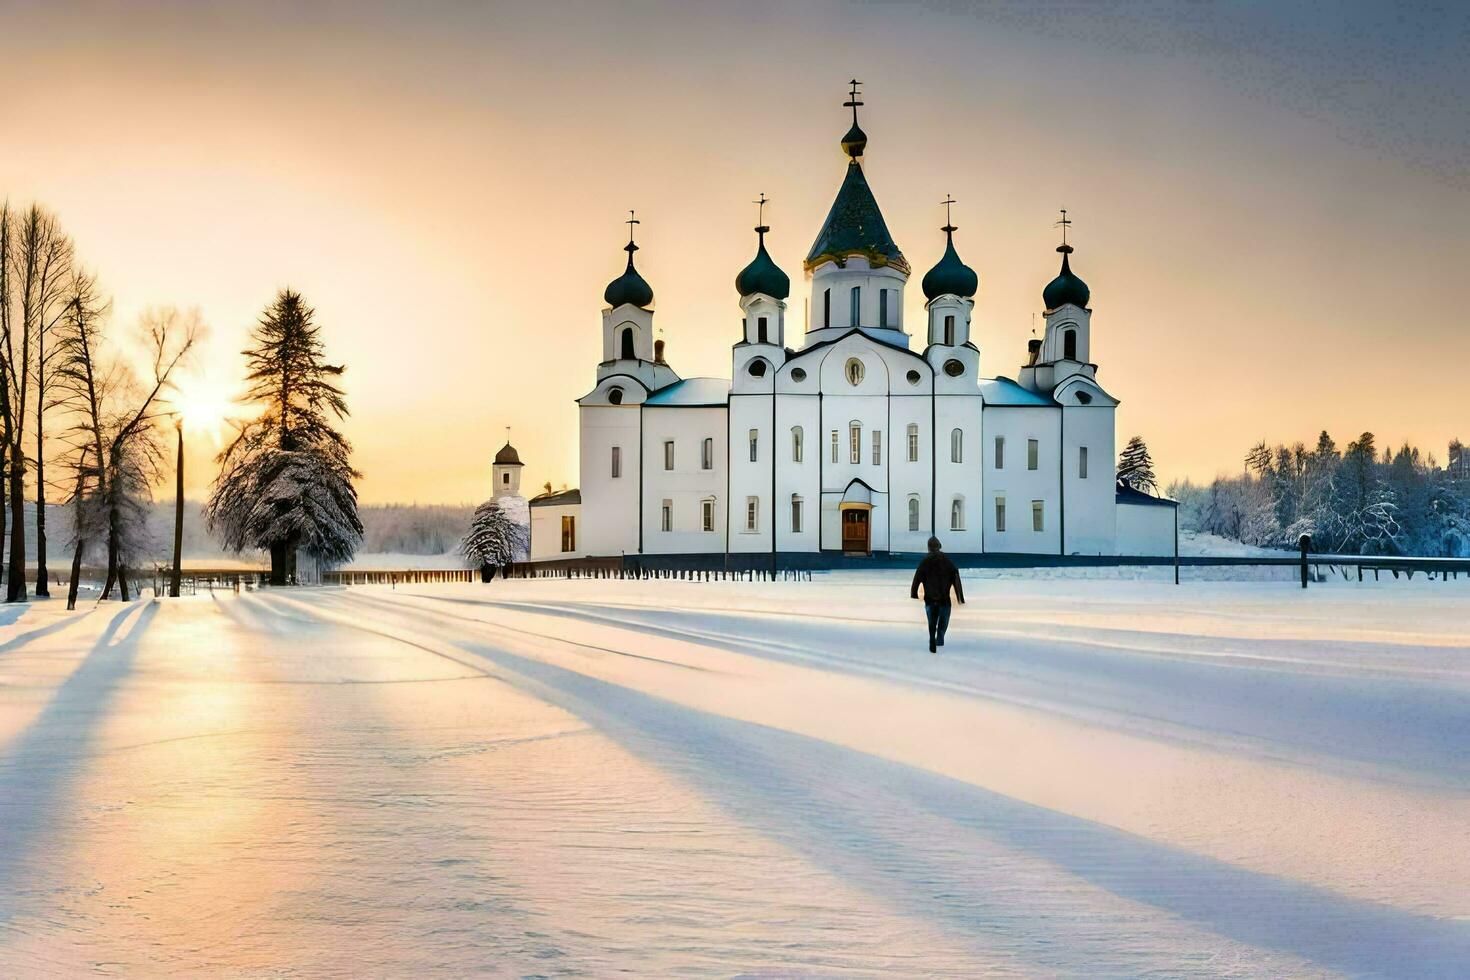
[1270,247]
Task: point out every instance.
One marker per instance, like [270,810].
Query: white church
[848,440]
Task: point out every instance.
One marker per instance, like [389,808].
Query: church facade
[867,434]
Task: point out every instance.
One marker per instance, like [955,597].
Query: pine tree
[1136,467]
[285,482]
[493,540]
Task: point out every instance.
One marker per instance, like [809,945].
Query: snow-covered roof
[692,391]
[557,499]
[1128,495]
[1004,391]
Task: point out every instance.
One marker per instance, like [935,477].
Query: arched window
[949,330]
[795,513]
[855,441]
[707,455]
[1069,345]
[913,440]
[757,368]
[957,446]
[957,514]
[628,354]
[796,447]
[827,307]
[913,512]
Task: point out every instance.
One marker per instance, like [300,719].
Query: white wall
[546,531]
[1018,484]
[687,485]
[1090,503]
[1145,529]
[609,506]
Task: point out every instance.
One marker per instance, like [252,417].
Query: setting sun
[204,408]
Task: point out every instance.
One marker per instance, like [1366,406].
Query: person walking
[938,575]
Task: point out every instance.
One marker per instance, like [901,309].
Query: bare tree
[84,390]
[117,449]
[38,256]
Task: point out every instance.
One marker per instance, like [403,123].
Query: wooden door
[855,531]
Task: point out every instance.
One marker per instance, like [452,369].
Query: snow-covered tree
[285,481]
[494,538]
[1136,467]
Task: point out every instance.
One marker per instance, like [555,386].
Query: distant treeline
[1354,501]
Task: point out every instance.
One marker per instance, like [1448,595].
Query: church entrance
[855,536]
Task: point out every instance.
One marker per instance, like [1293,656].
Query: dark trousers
[938,614]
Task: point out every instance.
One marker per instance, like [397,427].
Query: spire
[856,141]
[1066,287]
[855,226]
[950,276]
[762,275]
[630,287]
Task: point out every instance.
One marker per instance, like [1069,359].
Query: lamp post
[176,575]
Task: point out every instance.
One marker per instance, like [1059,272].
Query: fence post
[1306,542]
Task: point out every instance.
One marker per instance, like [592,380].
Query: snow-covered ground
[556,778]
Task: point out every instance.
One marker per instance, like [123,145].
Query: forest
[1357,500]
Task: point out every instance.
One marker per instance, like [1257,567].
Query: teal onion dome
[950,275]
[763,275]
[630,287]
[1066,287]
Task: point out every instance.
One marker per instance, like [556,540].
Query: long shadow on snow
[38,768]
[1411,731]
[744,768]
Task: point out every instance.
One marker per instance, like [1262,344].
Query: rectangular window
[854,443]
[668,454]
[883,308]
[1000,513]
[834,445]
[617,462]
[666,515]
[1000,452]
[707,455]
[796,447]
[877,448]
[707,515]
[956,446]
[913,439]
[752,513]
[1038,515]
[1033,454]
[826,307]
[760,330]
[949,330]
[795,515]
[856,306]
[1082,462]
[754,444]
[568,532]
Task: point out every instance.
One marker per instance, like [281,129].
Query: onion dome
[1066,287]
[508,456]
[763,275]
[855,141]
[630,287]
[950,275]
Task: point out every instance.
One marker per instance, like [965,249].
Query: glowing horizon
[1266,254]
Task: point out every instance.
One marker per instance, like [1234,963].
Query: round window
[757,368]
[953,368]
[854,371]
[914,377]
[798,374]
[615,396]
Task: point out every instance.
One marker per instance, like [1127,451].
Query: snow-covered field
[553,778]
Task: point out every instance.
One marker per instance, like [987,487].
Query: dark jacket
[937,573]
